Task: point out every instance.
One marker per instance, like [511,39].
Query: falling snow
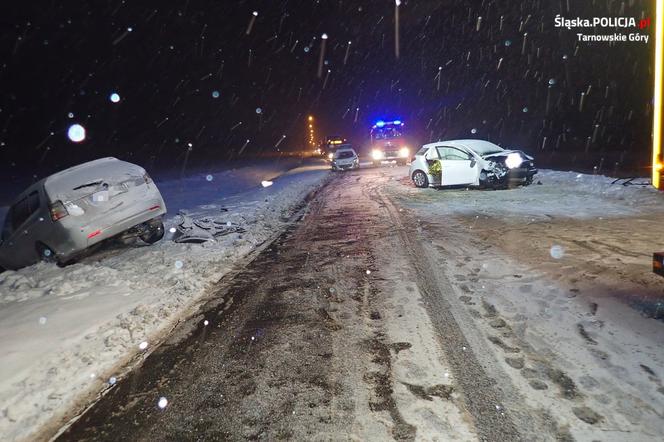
[175,88]
[76,133]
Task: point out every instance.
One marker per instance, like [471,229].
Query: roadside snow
[558,278]
[66,332]
[562,194]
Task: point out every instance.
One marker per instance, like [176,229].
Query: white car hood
[507,152]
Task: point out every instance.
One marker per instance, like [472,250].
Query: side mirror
[472,162]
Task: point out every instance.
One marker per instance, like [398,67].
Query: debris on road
[190,230]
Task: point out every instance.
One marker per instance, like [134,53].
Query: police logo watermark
[592,28]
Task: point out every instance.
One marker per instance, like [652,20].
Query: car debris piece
[190,230]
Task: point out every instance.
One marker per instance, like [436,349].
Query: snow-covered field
[66,333]
[558,278]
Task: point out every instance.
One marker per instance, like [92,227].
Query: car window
[452,153]
[386,133]
[7,227]
[22,210]
[431,154]
[422,151]
[345,154]
[33,202]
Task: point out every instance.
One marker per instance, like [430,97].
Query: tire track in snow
[481,396]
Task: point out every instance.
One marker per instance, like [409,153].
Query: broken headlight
[513,160]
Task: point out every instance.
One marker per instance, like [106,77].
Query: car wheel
[420,179]
[154,232]
[401,163]
[483,178]
[376,163]
[45,253]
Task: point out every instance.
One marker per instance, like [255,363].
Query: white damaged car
[470,163]
[60,217]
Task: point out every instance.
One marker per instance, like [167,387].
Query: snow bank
[562,194]
[64,332]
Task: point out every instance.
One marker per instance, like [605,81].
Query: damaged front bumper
[346,165]
[521,174]
[500,175]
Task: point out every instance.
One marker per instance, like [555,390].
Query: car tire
[45,253]
[154,233]
[401,163]
[376,163]
[482,179]
[420,179]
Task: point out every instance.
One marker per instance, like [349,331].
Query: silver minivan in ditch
[60,217]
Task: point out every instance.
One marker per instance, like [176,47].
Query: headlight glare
[377,154]
[513,160]
[404,152]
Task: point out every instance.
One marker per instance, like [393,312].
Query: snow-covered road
[67,332]
[391,312]
[427,313]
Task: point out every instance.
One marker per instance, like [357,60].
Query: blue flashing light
[380,123]
[397,122]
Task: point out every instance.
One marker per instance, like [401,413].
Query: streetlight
[397,3]
[321,58]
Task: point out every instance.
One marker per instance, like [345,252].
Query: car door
[458,166]
[431,154]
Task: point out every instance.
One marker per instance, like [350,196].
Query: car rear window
[345,154]
[422,151]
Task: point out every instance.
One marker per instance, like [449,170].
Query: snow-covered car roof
[481,147]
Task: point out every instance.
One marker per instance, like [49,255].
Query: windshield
[488,150]
[482,147]
[342,154]
[294,221]
[386,133]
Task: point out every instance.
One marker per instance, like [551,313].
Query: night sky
[187,72]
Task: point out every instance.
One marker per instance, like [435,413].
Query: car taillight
[58,210]
[147,178]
